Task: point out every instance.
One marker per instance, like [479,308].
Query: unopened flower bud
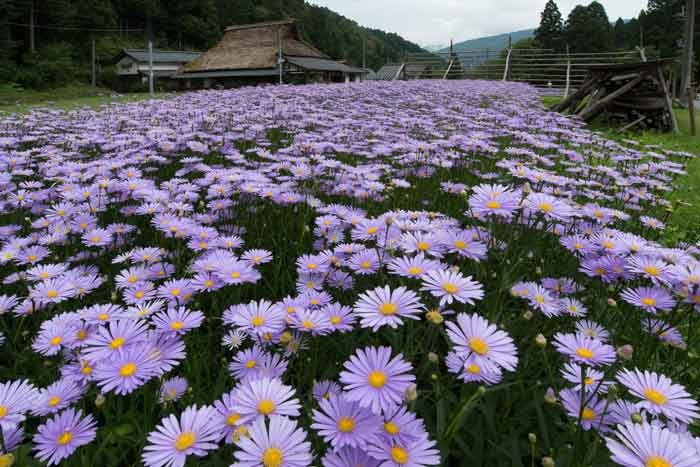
[433,357]
[528,315]
[532,438]
[538,271]
[541,341]
[411,393]
[7,460]
[434,316]
[286,337]
[612,302]
[481,391]
[550,396]
[100,400]
[434,377]
[388,220]
[114,296]
[548,462]
[625,352]
[637,418]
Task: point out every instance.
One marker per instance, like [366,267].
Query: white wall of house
[128,67]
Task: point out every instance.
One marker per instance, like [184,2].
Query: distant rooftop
[160,56]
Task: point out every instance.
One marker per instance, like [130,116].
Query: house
[267,52]
[389,72]
[133,65]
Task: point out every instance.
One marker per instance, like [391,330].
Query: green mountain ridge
[496,42]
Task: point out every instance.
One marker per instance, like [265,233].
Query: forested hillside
[64,30]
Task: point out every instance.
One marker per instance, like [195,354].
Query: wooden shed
[133,65]
[260,52]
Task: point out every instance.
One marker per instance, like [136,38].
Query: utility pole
[687,67]
[94,69]
[280,59]
[32,47]
[364,53]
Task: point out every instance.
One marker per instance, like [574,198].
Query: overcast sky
[429,22]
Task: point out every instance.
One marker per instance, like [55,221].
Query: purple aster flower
[463,243]
[654,269]
[468,369]
[16,399]
[233,339]
[178,320]
[449,286]
[57,396]
[194,433]
[265,397]
[593,330]
[572,307]
[652,223]
[61,435]
[114,337]
[51,291]
[237,272]
[256,257]
[651,299]
[317,322]
[126,371]
[480,345]
[55,335]
[279,443]
[427,244]
[584,350]
[419,453]
[592,379]
[551,207]
[228,418]
[376,380]
[349,457]
[325,390]
[665,332]
[384,307]
[660,396]
[344,423]
[257,318]
[496,200]
[255,363]
[342,318]
[402,427]
[593,415]
[644,445]
[413,266]
[172,389]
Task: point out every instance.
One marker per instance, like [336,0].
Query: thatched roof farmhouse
[251,53]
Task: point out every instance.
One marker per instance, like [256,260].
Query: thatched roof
[159,56]
[254,46]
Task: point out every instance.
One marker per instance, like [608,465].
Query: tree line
[658,28]
[64,30]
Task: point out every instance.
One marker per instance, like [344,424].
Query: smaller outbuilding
[133,65]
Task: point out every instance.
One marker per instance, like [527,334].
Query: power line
[66,28]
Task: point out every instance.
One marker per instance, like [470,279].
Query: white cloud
[437,21]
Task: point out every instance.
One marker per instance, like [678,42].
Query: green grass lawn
[17,100]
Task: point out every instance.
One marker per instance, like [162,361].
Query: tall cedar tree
[551,30]
[588,29]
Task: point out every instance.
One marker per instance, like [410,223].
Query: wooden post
[32,45]
[691,109]
[567,88]
[507,69]
[151,88]
[591,112]
[280,60]
[669,104]
[447,72]
[686,78]
[94,68]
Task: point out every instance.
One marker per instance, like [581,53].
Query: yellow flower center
[266,407]
[127,370]
[209,283]
[65,438]
[388,309]
[366,265]
[54,401]
[493,205]
[250,364]
[391,428]
[257,321]
[377,379]
[415,270]
[399,455]
[307,324]
[648,301]
[655,396]
[6,460]
[474,369]
[32,257]
[56,340]
[103,317]
[44,275]
[139,294]
[423,246]
[651,270]
[588,381]
[656,461]
[584,353]
[346,424]
[185,441]
[372,230]
[478,345]
[52,294]
[86,370]
[450,288]
[116,343]
[460,244]
[3,411]
[272,457]
[546,207]
[232,419]
[588,414]
[175,292]
[335,320]
[312,265]
[177,325]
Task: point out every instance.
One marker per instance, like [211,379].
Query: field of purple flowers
[397,274]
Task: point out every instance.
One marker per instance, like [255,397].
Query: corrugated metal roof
[227,74]
[387,72]
[161,56]
[319,64]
